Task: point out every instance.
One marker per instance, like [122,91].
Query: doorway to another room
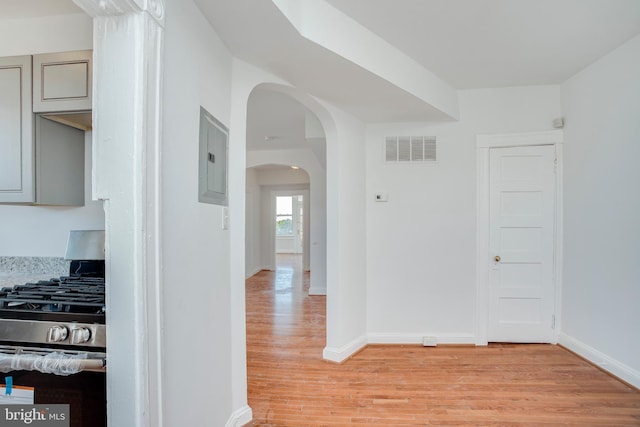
[289,224]
[519,237]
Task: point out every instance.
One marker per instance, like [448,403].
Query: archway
[263,238]
[343,251]
[283,134]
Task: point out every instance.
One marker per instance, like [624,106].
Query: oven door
[84,391]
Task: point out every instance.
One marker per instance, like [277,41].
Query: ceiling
[499,43]
[465,43]
[276,120]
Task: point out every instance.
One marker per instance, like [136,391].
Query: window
[284,216]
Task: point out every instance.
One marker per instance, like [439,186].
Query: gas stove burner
[66,295]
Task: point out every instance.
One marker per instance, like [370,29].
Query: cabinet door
[62,81]
[16,139]
[59,164]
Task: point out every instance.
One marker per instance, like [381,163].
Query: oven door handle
[99,365]
[55,362]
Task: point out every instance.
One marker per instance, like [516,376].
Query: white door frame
[272,227]
[483,144]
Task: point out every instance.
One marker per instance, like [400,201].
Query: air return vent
[399,149]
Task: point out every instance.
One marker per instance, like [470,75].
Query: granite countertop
[11,279]
[21,270]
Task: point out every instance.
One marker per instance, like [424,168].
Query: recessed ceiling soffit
[326,26]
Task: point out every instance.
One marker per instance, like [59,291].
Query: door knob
[498,258]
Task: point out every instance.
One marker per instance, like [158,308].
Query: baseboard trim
[341,354]
[253,272]
[317,291]
[416,338]
[240,417]
[601,360]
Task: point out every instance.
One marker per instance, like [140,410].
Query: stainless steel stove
[67,313]
[53,335]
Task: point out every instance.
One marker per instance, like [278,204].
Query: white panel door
[521,244]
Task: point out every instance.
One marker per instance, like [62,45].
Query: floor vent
[399,149]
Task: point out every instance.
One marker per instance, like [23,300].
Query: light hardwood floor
[290,385]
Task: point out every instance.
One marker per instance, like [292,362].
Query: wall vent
[399,149]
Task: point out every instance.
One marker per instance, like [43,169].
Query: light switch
[225,218]
[381,197]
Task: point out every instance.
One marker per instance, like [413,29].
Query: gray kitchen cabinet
[62,81]
[59,164]
[16,124]
[45,168]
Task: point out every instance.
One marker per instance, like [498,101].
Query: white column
[128,41]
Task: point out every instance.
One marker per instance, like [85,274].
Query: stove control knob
[80,335]
[57,334]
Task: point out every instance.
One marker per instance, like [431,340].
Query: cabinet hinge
[555,165]
[553,321]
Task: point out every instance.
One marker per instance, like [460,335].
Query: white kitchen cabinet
[16,137]
[62,81]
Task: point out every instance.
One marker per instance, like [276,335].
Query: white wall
[45,34]
[346,237]
[283,176]
[196,250]
[43,230]
[421,244]
[253,215]
[601,289]
[40,230]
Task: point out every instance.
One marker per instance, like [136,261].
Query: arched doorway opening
[277,216]
[285,152]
